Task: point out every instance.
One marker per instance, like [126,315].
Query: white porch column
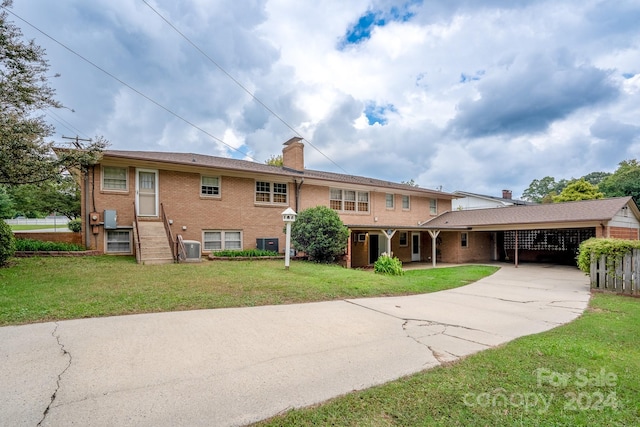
[389,233]
[434,235]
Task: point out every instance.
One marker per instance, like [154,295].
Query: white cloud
[481,95]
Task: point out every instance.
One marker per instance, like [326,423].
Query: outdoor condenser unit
[192,250]
[267,243]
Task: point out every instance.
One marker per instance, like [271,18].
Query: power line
[65,123]
[240,84]
[130,87]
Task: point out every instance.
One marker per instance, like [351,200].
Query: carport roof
[580,212]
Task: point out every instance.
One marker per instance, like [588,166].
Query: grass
[582,373]
[23,227]
[45,289]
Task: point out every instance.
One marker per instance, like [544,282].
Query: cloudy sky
[466,95]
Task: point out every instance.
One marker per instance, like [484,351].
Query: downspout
[87,207]
[298,186]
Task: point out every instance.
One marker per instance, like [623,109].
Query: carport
[548,233]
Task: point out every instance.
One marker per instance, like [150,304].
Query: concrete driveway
[230,367]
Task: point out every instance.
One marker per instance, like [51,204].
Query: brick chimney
[506,194]
[293,154]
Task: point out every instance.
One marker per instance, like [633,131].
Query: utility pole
[76,141]
[85,172]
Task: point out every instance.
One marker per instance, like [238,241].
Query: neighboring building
[540,233]
[466,201]
[137,202]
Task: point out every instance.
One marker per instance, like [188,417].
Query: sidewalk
[230,367]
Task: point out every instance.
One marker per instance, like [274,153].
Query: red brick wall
[52,237]
[479,247]
[235,209]
[623,233]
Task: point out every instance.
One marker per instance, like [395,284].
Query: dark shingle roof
[254,167]
[581,211]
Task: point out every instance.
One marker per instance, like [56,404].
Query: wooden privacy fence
[621,275]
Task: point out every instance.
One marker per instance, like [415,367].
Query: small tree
[274,160]
[320,233]
[7,242]
[578,190]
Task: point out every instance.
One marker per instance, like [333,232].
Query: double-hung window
[433,206]
[115,178]
[389,201]
[348,200]
[406,203]
[271,192]
[217,240]
[209,186]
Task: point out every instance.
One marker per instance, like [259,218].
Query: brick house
[537,233]
[131,198]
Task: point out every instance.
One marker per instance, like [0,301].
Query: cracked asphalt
[231,367]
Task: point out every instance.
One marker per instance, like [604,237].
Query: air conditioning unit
[193,252]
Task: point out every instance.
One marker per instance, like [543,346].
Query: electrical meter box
[110,220]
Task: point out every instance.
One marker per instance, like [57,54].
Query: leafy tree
[410,183]
[595,178]
[625,181]
[25,156]
[320,233]
[542,190]
[7,242]
[38,200]
[578,190]
[274,160]
[6,204]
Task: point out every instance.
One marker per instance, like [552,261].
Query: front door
[415,246]
[147,192]
[374,248]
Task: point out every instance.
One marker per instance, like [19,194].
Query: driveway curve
[230,367]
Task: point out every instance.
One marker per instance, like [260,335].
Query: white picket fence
[621,276]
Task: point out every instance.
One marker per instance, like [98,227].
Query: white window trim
[114,190]
[466,245]
[222,240]
[211,196]
[393,201]
[356,201]
[406,241]
[271,193]
[106,242]
[408,208]
[431,209]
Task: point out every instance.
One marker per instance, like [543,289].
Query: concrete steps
[154,245]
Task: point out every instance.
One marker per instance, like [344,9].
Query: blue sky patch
[377,113]
[362,29]
[466,78]
[628,75]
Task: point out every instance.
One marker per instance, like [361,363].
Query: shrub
[7,242]
[244,253]
[320,233]
[75,225]
[30,245]
[594,248]
[387,265]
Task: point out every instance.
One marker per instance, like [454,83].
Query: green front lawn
[44,289]
[585,373]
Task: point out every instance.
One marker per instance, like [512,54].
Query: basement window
[217,240]
[118,241]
